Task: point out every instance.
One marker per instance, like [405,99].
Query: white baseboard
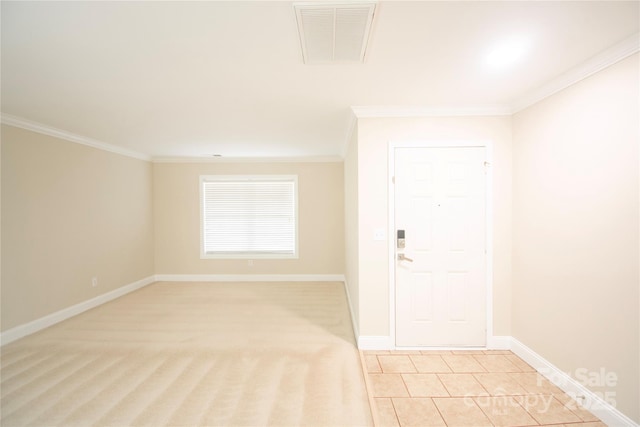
[385,343]
[53,318]
[596,405]
[498,342]
[373,342]
[354,324]
[249,277]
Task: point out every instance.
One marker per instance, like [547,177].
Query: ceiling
[172,79]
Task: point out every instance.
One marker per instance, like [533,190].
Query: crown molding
[310,159]
[610,56]
[362,112]
[353,122]
[599,62]
[30,125]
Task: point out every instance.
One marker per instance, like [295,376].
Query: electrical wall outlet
[94,282]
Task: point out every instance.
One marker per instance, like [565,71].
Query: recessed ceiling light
[507,53]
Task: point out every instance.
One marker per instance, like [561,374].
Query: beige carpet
[193,354]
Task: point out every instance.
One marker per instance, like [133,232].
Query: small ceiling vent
[334,33]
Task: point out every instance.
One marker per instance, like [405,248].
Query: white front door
[440,285]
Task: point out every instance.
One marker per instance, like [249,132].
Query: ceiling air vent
[334,33]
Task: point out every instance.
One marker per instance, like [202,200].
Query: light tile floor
[466,388]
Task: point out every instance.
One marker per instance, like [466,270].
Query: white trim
[248,178]
[604,59]
[488,146]
[299,159]
[373,342]
[386,343]
[249,277]
[352,126]
[362,112]
[599,62]
[489,243]
[444,348]
[391,230]
[603,410]
[354,324]
[64,314]
[68,136]
[596,405]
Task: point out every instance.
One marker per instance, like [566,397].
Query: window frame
[248,178]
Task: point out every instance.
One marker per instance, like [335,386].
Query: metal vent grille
[334,33]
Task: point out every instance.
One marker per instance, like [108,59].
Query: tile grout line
[439,412]
[402,378]
[445,362]
[442,384]
[508,372]
[395,412]
[526,410]
[414,367]
[483,411]
[482,385]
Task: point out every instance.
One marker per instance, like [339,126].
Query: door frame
[488,146]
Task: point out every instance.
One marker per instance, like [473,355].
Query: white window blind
[249,216]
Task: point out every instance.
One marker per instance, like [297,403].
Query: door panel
[440,203]
[422,304]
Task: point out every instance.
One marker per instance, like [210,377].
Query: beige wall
[1,229]
[69,213]
[575,288]
[372,158]
[320,219]
[351,226]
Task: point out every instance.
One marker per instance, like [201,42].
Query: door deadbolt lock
[400,240]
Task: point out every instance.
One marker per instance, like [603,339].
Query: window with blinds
[249,216]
